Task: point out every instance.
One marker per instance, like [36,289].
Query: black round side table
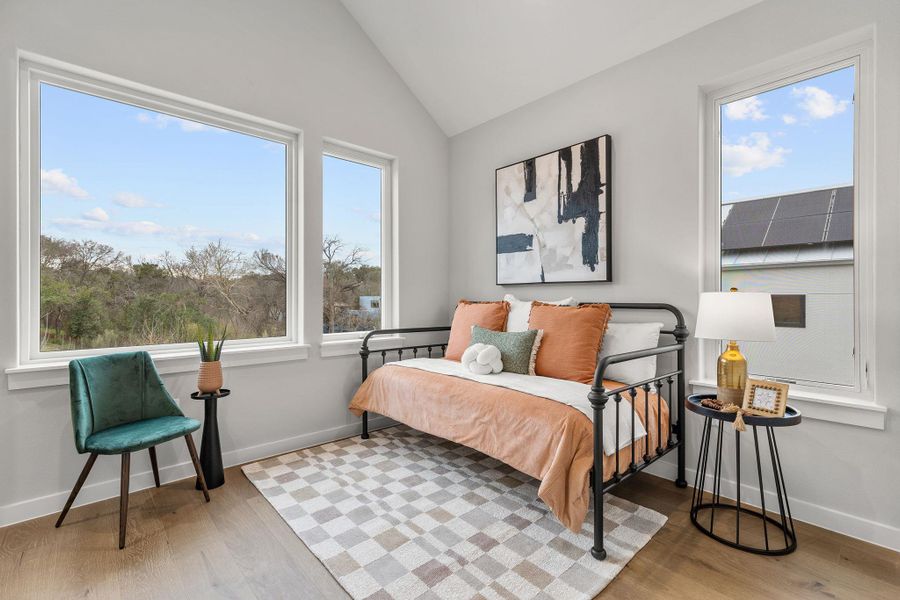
[210,448]
[783,538]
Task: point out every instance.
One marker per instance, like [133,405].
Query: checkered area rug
[407,515]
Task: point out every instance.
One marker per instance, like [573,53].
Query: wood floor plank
[237,546]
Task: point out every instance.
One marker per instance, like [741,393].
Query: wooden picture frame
[765,398]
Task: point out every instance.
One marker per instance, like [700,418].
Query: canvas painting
[553,216]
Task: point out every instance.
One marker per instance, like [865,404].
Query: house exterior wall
[823,350]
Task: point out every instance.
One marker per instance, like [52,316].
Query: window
[787,193]
[789,310]
[356,247]
[147,221]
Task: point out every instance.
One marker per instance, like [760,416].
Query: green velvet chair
[119,406]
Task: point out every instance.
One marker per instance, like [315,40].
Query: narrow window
[356,242]
[788,204]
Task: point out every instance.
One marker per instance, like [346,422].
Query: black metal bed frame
[598,397]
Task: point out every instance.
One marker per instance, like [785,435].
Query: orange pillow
[490,315]
[571,341]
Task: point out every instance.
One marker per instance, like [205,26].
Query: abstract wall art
[553,216]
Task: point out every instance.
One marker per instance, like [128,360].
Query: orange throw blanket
[542,438]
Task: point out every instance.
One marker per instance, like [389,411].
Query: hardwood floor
[238,547]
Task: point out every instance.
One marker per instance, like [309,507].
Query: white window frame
[858,55]
[387,164]
[35,70]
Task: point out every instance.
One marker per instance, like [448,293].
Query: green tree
[86,318]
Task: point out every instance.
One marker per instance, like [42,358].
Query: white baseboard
[853,526]
[102,490]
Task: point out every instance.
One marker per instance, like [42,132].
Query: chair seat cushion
[139,435]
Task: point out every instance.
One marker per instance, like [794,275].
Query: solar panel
[745,235]
[841,227]
[844,200]
[794,219]
[751,211]
[804,204]
[800,230]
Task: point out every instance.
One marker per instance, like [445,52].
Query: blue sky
[352,209]
[796,137]
[145,182]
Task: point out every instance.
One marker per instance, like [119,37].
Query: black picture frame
[607,185]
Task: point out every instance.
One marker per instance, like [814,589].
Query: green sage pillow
[517,348]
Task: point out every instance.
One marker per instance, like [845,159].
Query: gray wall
[304,63]
[839,475]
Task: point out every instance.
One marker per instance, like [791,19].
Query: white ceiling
[469,61]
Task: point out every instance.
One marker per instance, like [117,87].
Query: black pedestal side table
[778,533]
[210,448]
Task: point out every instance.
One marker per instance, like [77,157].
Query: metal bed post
[598,398]
[681,335]
[364,353]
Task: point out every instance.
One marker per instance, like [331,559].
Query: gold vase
[731,375]
[209,379]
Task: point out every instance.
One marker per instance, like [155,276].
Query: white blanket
[570,393]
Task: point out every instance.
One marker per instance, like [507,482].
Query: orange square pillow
[490,315]
[571,341]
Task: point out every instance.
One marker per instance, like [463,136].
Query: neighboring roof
[829,252]
[814,217]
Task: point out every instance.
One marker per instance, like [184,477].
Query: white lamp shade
[739,316]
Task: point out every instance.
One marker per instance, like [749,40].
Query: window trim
[840,55]
[34,70]
[387,164]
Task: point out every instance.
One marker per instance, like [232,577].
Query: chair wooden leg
[123,498]
[193,451]
[154,464]
[81,478]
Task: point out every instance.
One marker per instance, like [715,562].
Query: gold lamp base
[731,375]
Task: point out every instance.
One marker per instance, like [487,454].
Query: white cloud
[96,214]
[818,103]
[130,200]
[789,119]
[370,215]
[128,228]
[747,108]
[55,181]
[751,153]
[98,220]
[161,121]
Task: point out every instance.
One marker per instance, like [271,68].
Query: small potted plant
[209,379]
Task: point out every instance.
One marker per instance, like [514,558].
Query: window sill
[823,407]
[56,373]
[330,348]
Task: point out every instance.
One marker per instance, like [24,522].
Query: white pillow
[627,337]
[520,310]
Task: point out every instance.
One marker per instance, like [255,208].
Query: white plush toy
[482,359]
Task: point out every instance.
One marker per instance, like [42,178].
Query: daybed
[564,445]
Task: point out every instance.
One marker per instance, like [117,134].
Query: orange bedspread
[545,439]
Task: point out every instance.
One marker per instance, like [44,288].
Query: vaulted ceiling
[469,61]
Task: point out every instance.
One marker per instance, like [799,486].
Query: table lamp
[733,316]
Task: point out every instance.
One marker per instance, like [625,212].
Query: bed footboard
[671,385]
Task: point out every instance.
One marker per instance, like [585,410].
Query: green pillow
[516,347]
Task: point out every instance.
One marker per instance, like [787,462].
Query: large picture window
[787,194]
[356,248]
[150,223]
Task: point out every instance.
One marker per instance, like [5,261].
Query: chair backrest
[115,389]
